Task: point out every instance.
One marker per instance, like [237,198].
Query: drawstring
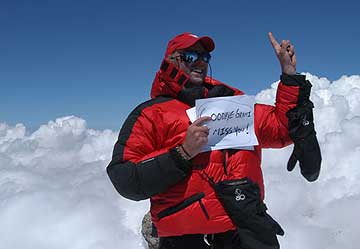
[210,73]
[210,244]
[211,179]
[225,157]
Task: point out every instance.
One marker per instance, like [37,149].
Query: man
[157,154]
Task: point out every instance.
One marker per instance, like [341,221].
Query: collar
[172,81]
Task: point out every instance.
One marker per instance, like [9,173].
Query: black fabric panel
[181,79]
[164,66]
[304,93]
[220,91]
[292,80]
[298,80]
[189,95]
[180,162]
[187,241]
[174,73]
[191,92]
[145,179]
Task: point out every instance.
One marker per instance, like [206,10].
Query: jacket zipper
[182,205]
[204,209]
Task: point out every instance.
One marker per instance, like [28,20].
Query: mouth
[197,75]
[197,71]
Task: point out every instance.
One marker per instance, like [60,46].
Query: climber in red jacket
[157,154]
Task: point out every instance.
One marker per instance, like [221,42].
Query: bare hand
[196,136]
[285,53]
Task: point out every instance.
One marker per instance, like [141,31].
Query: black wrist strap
[182,147]
[180,160]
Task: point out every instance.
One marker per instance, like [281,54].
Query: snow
[55,192]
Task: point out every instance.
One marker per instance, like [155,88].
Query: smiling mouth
[198,71]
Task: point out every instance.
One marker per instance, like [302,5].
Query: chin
[196,80]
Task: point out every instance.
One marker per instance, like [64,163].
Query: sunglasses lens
[191,56]
[206,57]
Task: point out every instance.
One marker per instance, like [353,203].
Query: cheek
[186,69]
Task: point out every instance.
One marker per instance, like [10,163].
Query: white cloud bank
[55,194]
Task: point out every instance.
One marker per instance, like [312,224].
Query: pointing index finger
[273,41]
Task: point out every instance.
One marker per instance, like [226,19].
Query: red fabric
[186,40]
[163,126]
[164,85]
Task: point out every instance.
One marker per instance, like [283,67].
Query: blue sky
[97,59]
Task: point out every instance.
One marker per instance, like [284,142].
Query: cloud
[320,214]
[55,192]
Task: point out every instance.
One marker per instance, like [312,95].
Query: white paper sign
[231,124]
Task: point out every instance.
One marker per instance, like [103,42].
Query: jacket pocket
[180,206]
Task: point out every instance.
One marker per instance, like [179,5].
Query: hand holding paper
[196,136]
[231,123]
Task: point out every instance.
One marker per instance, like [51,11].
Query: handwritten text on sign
[232,121]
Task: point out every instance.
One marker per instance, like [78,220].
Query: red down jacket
[182,200]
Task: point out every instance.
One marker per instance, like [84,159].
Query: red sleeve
[271,122]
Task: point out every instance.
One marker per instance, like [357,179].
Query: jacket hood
[172,81]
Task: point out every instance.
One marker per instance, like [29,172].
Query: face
[197,70]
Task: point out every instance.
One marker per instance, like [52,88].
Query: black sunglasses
[193,56]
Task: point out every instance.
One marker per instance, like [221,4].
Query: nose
[200,63]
